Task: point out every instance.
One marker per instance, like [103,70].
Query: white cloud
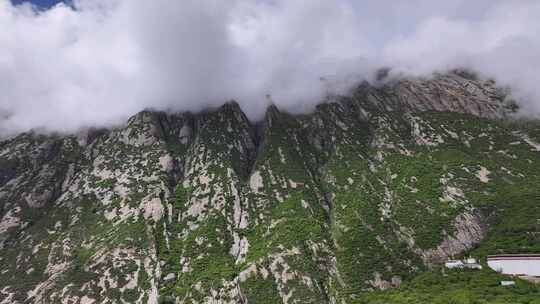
[104,60]
[504,45]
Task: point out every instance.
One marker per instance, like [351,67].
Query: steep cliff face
[363,193]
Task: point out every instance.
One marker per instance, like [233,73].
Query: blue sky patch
[39,3]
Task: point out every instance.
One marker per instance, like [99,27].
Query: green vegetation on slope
[456,287]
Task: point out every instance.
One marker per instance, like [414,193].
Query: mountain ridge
[361,194]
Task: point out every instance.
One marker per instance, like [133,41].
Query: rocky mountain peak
[365,192]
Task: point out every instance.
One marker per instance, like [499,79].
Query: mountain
[370,191]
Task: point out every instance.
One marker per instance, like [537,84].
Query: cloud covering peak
[99,61]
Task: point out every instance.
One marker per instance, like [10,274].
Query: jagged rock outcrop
[363,193]
[469,230]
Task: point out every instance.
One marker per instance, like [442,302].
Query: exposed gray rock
[470,230]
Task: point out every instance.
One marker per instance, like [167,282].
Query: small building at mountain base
[469,263]
[516,264]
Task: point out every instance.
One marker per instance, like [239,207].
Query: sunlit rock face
[361,194]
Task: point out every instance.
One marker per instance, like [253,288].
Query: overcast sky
[99,61]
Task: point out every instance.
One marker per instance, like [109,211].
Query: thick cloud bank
[98,61]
